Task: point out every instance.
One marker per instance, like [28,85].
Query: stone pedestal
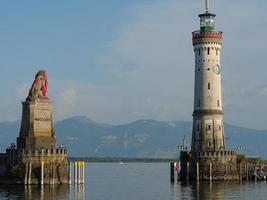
[37,129]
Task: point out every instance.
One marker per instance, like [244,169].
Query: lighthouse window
[208,86]
[219,127]
[218,103]
[216,51]
[208,127]
[199,52]
[198,127]
[208,51]
[209,144]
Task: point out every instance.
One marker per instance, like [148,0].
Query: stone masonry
[36,159]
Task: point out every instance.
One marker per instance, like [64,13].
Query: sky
[117,61]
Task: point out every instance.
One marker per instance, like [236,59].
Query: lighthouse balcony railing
[212,34]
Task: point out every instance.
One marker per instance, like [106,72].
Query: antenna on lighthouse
[207,6]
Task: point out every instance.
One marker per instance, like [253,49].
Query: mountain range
[142,138]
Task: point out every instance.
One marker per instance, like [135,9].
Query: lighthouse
[208,158]
[208,130]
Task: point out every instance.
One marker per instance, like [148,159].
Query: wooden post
[83,172]
[50,174]
[187,171]
[42,172]
[178,170]
[30,174]
[26,173]
[172,171]
[78,173]
[197,171]
[247,170]
[240,172]
[51,181]
[255,173]
[53,173]
[210,171]
[82,164]
[75,172]
[69,168]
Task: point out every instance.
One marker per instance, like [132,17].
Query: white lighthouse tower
[208,158]
[208,130]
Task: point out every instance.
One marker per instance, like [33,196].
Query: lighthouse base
[209,165]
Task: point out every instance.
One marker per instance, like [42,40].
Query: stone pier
[36,159]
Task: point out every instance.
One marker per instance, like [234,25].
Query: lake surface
[136,181]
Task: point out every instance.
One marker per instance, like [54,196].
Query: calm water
[136,181]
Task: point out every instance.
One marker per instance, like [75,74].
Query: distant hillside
[142,138]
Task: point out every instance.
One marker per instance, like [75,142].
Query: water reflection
[34,192]
[208,190]
[217,190]
[79,192]
[135,181]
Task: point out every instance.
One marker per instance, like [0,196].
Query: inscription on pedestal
[42,125]
[41,119]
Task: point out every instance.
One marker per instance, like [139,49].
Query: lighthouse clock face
[217,69]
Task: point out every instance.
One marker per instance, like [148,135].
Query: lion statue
[39,86]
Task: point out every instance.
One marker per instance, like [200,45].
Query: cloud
[155,57]
[65,101]
[149,67]
[22,90]
[263,92]
[9,108]
[245,103]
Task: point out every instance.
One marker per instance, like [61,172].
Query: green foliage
[15,170]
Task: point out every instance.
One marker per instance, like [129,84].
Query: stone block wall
[2,164]
[216,165]
[24,166]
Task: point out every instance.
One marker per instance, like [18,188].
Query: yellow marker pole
[79,172]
